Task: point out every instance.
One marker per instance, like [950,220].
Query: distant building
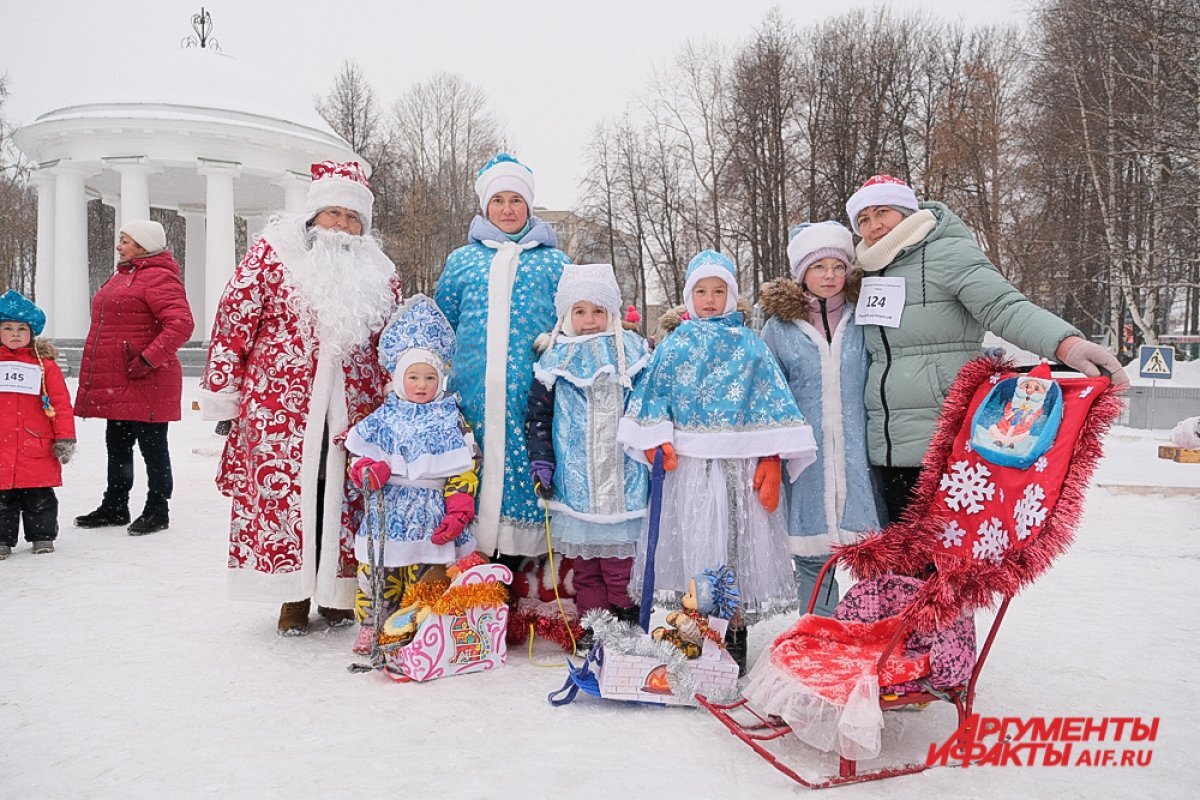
[587,243]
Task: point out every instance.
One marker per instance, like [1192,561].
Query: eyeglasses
[836,269]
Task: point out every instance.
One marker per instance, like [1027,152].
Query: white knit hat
[503,173]
[880,190]
[147,233]
[340,184]
[812,241]
[595,283]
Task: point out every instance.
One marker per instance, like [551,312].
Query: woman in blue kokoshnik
[497,291]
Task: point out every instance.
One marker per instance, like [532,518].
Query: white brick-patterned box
[643,679]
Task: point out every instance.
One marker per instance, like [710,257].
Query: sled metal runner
[759,731]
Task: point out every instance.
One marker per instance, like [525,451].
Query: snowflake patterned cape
[417,440]
[713,390]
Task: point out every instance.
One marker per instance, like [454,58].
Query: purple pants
[602,583]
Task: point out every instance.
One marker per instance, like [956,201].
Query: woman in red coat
[131,376]
[37,433]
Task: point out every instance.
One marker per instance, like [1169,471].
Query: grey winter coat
[953,295]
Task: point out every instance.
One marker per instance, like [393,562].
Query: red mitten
[369,473]
[670,460]
[767,478]
[460,510]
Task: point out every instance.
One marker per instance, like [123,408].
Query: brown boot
[293,618]
[336,617]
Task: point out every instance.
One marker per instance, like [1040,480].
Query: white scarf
[910,231]
[501,275]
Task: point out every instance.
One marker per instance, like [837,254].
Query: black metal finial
[202,24]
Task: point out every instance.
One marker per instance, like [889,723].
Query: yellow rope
[554,578]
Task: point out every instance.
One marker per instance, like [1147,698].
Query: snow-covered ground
[125,672]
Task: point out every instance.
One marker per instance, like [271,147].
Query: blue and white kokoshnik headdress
[418,333]
[710,264]
[417,440]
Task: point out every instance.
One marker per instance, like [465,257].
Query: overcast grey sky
[551,69]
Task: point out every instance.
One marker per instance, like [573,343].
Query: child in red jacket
[37,435]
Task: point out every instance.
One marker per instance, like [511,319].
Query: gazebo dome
[191,130]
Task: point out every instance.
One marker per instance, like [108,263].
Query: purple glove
[542,473]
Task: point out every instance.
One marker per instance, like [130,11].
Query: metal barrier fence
[1159,406]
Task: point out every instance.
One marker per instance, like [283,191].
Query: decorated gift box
[450,628]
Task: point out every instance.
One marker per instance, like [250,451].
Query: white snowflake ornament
[952,534]
[1041,464]
[1029,512]
[992,542]
[966,487]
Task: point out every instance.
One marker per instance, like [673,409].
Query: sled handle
[657,474]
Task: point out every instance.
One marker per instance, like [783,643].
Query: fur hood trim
[784,298]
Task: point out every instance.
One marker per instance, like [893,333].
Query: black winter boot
[103,517]
[149,522]
[736,642]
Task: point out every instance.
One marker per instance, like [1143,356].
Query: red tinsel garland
[910,546]
[551,628]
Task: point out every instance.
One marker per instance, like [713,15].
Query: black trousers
[897,484]
[151,439]
[38,507]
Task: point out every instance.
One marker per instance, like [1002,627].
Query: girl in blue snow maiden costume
[418,451]
[596,493]
[498,294]
[715,403]
[812,332]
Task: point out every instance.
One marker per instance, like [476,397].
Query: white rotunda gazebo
[191,130]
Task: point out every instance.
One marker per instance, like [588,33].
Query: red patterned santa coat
[265,373]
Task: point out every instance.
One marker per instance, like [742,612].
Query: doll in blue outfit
[417,450]
[811,331]
[714,402]
[596,494]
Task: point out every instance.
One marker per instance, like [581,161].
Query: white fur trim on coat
[501,274]
[219,406]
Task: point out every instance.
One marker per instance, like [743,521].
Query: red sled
[989,515]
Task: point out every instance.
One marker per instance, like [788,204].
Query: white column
[295,191]
[219,246]
[135,190]
[72,293]
[194,266]
[43,284]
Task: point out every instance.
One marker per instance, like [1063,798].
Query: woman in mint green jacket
[950,295]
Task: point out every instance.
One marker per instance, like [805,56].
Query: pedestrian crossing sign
[1156,361]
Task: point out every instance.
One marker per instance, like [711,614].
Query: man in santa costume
[292,366]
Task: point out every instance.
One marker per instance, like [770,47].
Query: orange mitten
[670,461]
[767,478]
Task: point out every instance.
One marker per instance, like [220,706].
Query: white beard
[342,289]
